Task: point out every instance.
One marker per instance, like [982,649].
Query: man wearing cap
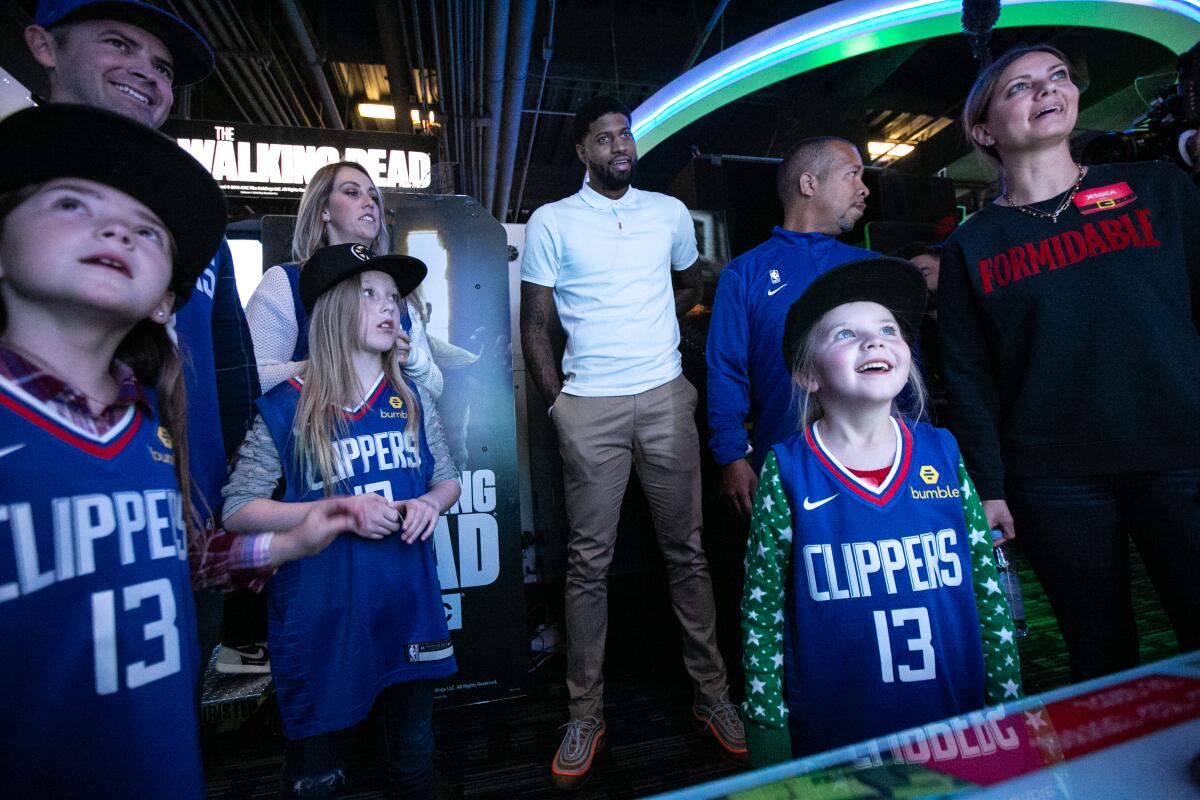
[820,185]
[126,56]
[606,260]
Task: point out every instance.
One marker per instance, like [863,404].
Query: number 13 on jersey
[104,635]
[921,644]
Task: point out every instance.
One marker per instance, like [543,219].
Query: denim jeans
[314,767]
[1076,533]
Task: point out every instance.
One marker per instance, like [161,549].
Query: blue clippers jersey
[881,631]
[99,672]
[292,271]
[362,614]
[206,445]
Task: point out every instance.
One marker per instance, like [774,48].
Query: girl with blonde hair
[359,626]
[859,620]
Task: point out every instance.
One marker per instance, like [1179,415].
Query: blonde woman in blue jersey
[360,627]
[871,602]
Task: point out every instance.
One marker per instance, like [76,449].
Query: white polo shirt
[610,262]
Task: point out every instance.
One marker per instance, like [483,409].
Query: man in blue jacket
[823,195]
[128,57]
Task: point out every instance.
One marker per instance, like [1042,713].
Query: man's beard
[600,173]
[845,225]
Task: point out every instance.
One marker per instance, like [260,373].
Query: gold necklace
[1053,215]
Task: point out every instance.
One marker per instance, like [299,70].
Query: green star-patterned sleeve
[1001,663]
[768,558]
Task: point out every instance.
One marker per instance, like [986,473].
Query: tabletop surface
[1132,734]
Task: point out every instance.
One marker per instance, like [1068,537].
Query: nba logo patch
[774,276]
[414,654]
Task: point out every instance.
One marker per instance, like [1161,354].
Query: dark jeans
[315,767]
[244,618]
[1076,534]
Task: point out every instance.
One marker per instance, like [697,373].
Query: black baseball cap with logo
[331,265]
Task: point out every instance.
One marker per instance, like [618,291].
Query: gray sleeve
[258,469]
[443,466]
[421,369]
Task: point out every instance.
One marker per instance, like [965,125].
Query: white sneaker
[253,659]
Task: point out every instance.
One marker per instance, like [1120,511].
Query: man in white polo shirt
[619,265]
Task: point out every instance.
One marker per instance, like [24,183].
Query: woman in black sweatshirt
[1069,311]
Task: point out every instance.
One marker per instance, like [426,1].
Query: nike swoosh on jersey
[10,449]
[771,292]
[809,506]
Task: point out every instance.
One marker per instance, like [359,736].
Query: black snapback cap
[894,283]
[331,265]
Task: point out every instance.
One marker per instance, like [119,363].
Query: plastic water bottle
[1010,583]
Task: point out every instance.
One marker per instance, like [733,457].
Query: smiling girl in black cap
[96,251]
[360,626]
[871,603]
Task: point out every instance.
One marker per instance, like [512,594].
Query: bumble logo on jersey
[164,438]
[936,493]
[930,476]
[400,413]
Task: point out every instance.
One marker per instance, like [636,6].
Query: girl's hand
[420,519]
[403,347]
[320,526]
[375,516]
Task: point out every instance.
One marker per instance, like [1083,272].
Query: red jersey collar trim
[360,410]
[881,495]
[43,416]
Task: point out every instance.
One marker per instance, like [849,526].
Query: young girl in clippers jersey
[871,602]
[360,626]
[105,226]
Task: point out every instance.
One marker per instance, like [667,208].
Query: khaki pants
[600,438]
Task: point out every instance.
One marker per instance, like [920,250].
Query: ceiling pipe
[473,43]
[232,68]
[303,35]
[703,38]
[265,68]
[457,89]
[389,24]
[438,65]
[250,63]
[520,39]
[497,42]
[547,54]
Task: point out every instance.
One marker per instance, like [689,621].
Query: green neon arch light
[854,27]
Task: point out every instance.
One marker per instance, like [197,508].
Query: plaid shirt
[67,401]
[219,560]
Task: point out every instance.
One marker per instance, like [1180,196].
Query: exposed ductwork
[497,42]
[519,40]
[389,20]
[299,27]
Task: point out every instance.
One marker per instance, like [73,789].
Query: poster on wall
[465,299]
[266,161]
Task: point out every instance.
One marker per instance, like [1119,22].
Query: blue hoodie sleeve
[728,370]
